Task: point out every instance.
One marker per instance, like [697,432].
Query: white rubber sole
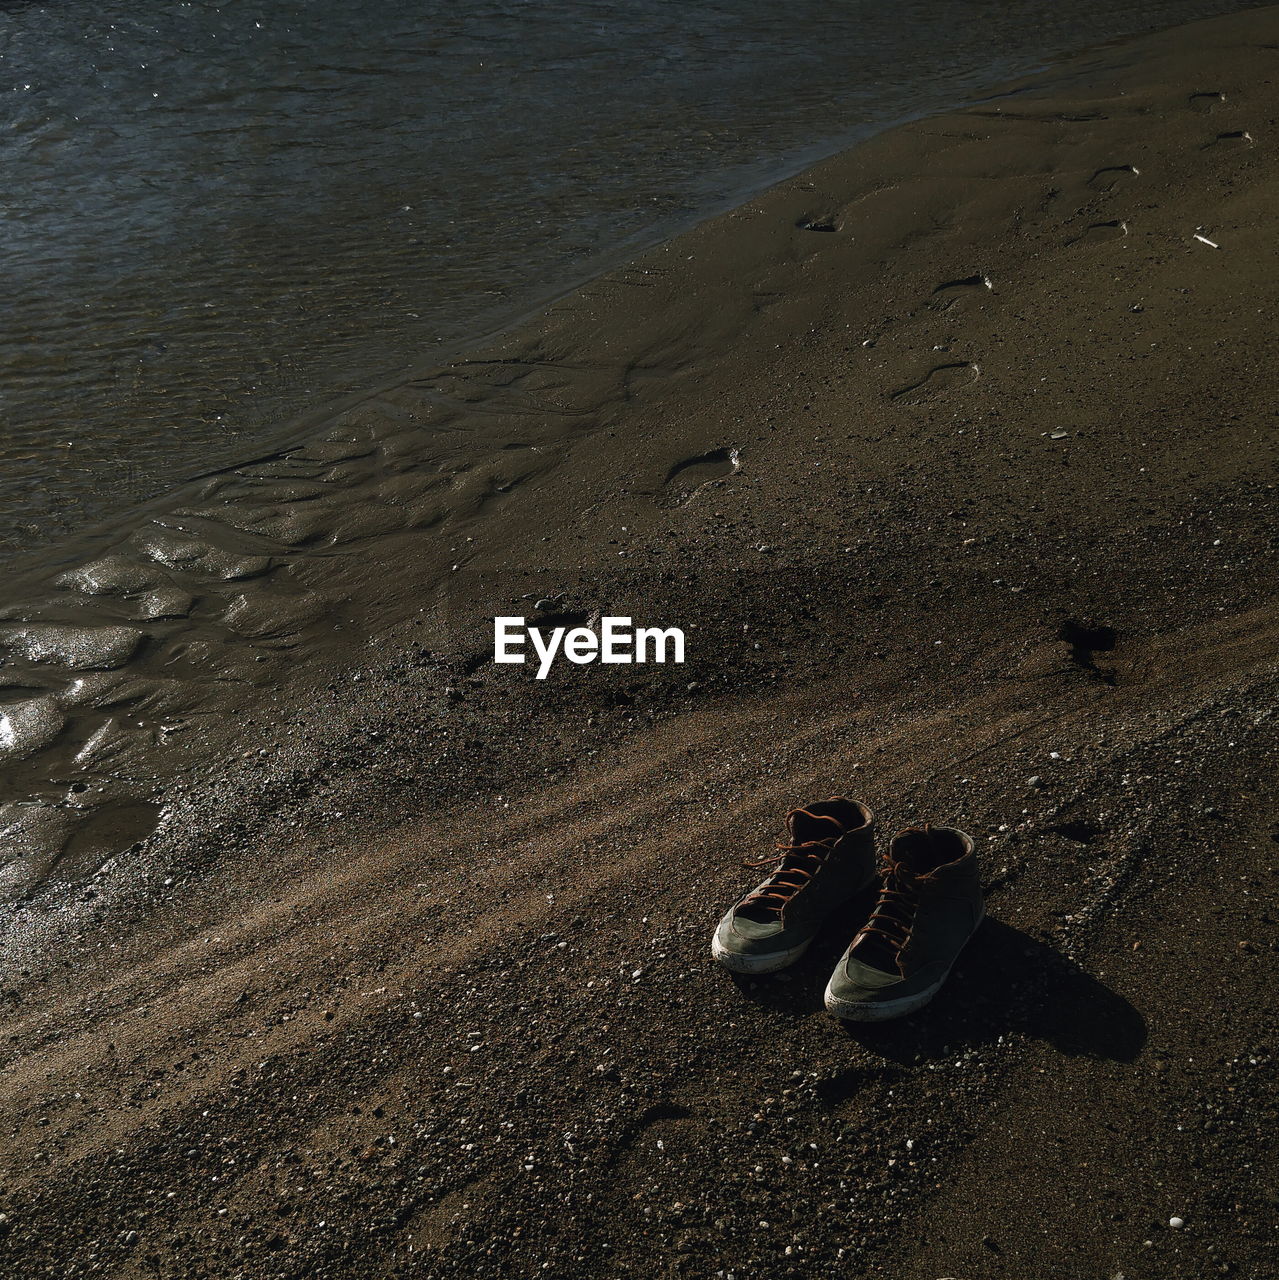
[881,1010]
[770,962]
[887,1010]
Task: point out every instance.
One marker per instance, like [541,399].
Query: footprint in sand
[949,292]
[1240,137]
[1208,101]
[1109,178]
[1100,232]
[685,478]
[941,378]
[824,223]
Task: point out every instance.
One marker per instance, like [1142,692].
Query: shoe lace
[892,922]
[795,864]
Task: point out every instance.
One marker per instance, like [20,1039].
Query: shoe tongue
[815,823]
[906,876]
[875,952]
[920,852]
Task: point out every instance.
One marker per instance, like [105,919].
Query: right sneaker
[828,858]
[930,903]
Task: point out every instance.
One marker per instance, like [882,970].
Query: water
[216,216]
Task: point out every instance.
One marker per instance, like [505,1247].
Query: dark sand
[415,980]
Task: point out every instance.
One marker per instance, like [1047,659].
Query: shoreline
[913,588]
[32,564]
[194,392]
[225,577]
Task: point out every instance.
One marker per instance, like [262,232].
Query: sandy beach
[334,949]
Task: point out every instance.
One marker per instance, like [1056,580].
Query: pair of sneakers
[929,903]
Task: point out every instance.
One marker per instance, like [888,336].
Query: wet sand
[412,976]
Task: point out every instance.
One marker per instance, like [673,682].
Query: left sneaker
[930,903]
[829,857]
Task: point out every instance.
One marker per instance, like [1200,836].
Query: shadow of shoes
[1008,983]
[1004,983]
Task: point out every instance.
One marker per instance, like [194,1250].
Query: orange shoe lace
[796,864]
[893,918]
